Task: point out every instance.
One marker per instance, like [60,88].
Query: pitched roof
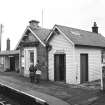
[81,37]
[42,33]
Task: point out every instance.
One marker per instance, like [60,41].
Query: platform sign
[103,79]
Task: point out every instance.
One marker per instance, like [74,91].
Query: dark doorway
[32,57]
[12,63]
[59,67]
[83,68]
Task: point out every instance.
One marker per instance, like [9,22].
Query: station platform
[23,87]
[53,93]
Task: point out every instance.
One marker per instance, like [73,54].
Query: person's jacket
[31,69]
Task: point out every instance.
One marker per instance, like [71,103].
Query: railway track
[7,101]
[10,96]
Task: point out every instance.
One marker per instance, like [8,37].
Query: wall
[7,63]
[40,54]
[16,62]
[26,59]
[61,44]
[94,62]
[1,63]
[42,57]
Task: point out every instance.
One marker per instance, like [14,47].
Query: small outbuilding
[9,61]
[75,55]
[32,47]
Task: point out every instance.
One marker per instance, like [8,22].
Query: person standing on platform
[32,72]
[38,71]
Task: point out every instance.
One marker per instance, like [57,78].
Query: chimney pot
[34,24]
[8,44]
[95,28]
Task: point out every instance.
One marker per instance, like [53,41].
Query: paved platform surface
[55,93]
[26,90]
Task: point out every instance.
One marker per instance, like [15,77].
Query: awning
[11,52]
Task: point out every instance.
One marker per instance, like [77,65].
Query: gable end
[57,31]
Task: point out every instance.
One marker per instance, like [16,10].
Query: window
[103,56]
[1,60]
[32,57]
[23,62]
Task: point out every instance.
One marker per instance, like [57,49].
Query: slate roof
[42,33]
[81,37]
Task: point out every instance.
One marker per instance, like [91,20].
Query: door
[31,53]
[59,67]
[83,68]
[30,57]
[12,63]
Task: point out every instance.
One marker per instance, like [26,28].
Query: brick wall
[42,57]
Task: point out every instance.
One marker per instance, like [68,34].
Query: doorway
[59,67]
[31,56]
[12,63]
[83,68]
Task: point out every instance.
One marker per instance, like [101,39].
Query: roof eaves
[57,26]
[37,37]
[50,34]
[82,45]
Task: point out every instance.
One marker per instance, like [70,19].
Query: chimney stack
[8,44]
[34,24]
[95,28]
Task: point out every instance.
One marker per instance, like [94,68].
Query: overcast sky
[15,15]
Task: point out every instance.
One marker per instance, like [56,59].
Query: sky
[16,14]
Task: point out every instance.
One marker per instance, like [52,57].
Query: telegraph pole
[42,17]
[1,27]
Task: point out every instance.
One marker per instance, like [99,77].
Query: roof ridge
[77,29]
[39,28]
[87,37]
